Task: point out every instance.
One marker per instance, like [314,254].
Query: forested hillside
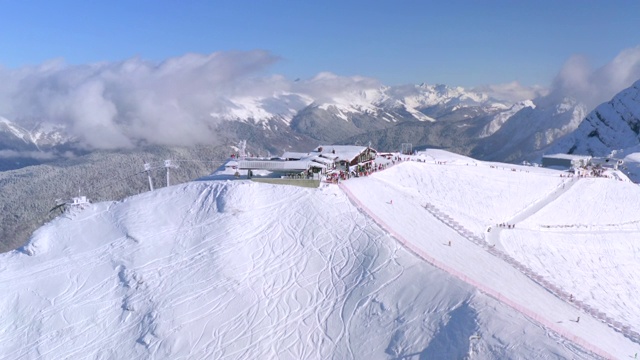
[28,194]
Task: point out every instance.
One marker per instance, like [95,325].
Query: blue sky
[466,43]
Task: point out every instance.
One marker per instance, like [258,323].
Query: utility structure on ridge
[147,169]
[168,165]
[79,201]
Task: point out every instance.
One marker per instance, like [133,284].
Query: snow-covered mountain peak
[610,126]
[424,96]
[283,105]
[41,134]
[502,117]
[14,129]
[528,127]
[356,97]
[568,104]
[524,103]
[361,100]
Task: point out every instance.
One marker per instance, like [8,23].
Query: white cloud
[327,86]
[513,91]
[114,105]
[579,80]
[122,104]
[594,86]
[9,154]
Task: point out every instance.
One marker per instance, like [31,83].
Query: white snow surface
[358,98]
[16,130]
[373,101]
[613,125]
[502,117]
[533,129]
[40,134]
[240,270]
[282,106]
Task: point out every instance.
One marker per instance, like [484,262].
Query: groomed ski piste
[398,264]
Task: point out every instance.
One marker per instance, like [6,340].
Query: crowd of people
[362,169]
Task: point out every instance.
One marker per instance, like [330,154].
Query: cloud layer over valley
[132,102]
[115,105]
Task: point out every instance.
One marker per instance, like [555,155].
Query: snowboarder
[578,320]
[449,242]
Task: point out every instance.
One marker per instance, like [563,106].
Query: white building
[324,158]
[565,161]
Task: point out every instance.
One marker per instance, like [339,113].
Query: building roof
[343,152]
[295,155]
[567,157]
[322,160]
[275,165]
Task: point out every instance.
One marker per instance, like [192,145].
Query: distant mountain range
[284,121]
[526,130]
[614,125]
[467,122]
[40,142]
[436,116]
[40,136]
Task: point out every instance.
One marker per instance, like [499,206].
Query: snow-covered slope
[499,119]
[610,126]
[281,106]
[361,112]
[388,102]
[425,96]
[235,269]
[524,134]
[40,135]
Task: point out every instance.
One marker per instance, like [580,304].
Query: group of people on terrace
[361,169]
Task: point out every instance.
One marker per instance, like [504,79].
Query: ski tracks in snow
[477,240]
[308,299]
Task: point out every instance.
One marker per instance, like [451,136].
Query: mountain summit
[614,125]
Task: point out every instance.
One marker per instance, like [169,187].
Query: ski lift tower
[243,149]
[147,169]
[168,165]
[407,148]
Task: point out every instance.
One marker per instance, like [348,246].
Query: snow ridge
[238,269]
[614,125]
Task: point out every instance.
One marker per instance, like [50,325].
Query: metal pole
[167,164]
[147,169]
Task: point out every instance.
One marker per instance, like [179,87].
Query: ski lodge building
[565,161]
[323,159]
